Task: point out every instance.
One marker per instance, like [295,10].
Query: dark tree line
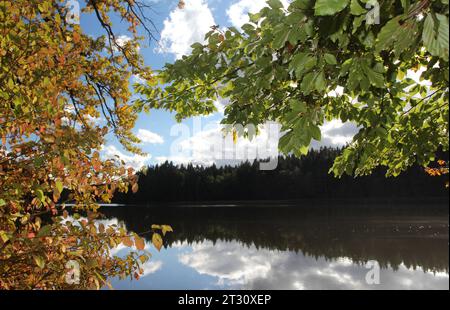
[295,178]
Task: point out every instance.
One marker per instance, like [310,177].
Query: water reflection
[289,248]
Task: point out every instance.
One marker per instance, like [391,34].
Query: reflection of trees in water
[392,239]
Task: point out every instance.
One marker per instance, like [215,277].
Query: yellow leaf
[39,261]
[3,236]
[143,258]
[157,241]
[165,229]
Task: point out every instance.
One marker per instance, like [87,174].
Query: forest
[69,89]
[306,177]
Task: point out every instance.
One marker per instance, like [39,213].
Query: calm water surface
[290,247]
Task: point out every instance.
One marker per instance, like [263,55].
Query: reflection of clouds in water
[106,222]
[151,267]
[226,262]
[116,251]
[238,266]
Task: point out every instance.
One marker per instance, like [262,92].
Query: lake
[286,246]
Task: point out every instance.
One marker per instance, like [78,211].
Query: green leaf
[329,7]
[356,9]
[275,4]
[39,261]
[197,45]
[386,36]
[4,236]
[304,149]
[397,37]
[330,59]
[435,36]
[59,186]
[316,133]
[40,195]
[44,231]
[297,34]
[285,143]
[298,106]
[308,83]
[405,5]
[320,83]
[375,78]
[10,83]
[301,63]
[280,39]
[2,202]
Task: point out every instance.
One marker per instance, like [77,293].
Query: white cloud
[151,267]
[417,76]
[149,137]
[209,146]
[96,121]
[121,41]
[238,11]
[135,161]
[136,78]
[221,105]
[186,26]
[336,133]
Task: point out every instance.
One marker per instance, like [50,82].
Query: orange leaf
[135,188]
[127,241]
[76,37]
[139,243]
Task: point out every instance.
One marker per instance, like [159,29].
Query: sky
[196,140]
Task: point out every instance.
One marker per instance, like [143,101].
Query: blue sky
[194,139]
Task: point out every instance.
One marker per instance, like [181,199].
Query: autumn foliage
[441,169]
[55,83]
